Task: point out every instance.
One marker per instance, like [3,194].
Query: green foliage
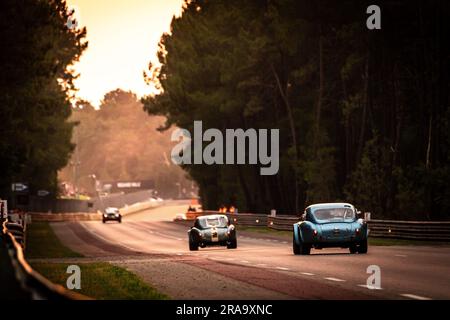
[368,184]
[43,243]
[37,52]
[119,142]
[102,281]
[363,115]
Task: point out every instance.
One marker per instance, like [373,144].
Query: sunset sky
[123,36]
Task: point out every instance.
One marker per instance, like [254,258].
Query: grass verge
[42,242]
[264,230]
[102,281]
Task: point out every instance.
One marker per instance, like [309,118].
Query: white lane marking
[179,239]
[413,296]
[230,259]
[401,255]
[369,287]
[284,242]
[307,273]
[261,265]
[283,268]
[179,254]
[245,261]
[334,279]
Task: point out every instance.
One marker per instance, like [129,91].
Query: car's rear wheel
[362,248]
[120,220]
[232,244]
[295,246]
[193,246]
[103,221]
[302,248]
[353,249]
[306,249]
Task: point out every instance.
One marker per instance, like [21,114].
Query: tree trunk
[364,111]
[320,97]
[284,96]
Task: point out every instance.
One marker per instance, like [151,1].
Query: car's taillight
[357,231]
[315,232]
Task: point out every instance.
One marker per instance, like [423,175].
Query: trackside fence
[410,230]
[32,284]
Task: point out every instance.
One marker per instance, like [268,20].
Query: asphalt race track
[263,266]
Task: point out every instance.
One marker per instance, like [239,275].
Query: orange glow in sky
[123,36]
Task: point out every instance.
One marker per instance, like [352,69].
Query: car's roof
[330,205]
[212,216]
[109,209]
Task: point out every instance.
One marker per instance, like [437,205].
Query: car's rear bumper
[336,244]
[111,218]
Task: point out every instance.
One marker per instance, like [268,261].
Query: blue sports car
[328,225]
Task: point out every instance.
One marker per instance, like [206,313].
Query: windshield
[220,222]
[334,215]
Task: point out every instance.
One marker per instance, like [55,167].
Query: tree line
[37,52]
[363,114]
[118,142]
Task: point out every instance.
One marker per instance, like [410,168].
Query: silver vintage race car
[112,214]
[212,230]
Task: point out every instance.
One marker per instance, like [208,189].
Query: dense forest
[118,142]
[37,53]
[363,114]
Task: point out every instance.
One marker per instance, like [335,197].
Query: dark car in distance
[112,214]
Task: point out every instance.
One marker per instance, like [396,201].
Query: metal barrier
[282,223]
[412,230]
[32,283]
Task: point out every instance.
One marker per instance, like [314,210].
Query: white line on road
[413,296]
[307,273]
[245,261]
[334,279]
[401,255]
[369,287]
[283,268]
[261,265]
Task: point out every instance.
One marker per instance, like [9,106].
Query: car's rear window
[334,215]
[219,222]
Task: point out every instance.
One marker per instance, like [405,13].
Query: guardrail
[282,223]
[34,284]
[410,230]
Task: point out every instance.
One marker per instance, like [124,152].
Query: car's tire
[295,246]
[193,246]
[353,249]
[232,244]
[120,220]
[363,247]
[306,249]
[302,248]
[103,220]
